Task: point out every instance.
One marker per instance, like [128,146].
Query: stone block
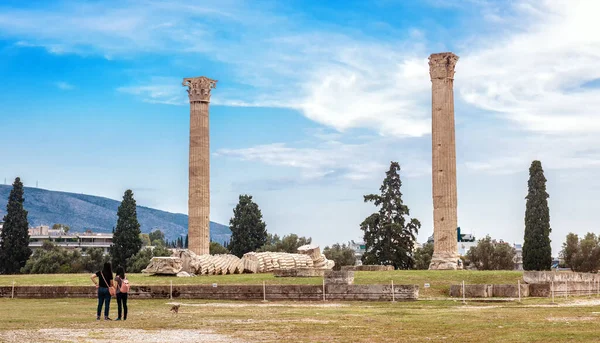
[344,277]
[164,266]
[510,291]
[472,291]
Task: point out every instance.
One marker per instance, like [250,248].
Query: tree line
[17,257]
[389,235]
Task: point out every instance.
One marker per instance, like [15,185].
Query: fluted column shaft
[443,162]
[199,164]
[199,179]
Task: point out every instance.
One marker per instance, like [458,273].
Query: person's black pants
[122,301]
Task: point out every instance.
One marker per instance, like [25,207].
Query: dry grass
[439,280]
[534,320]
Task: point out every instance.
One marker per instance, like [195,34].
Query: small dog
[175,308]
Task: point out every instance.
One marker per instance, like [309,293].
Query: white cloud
[335,159]
[331,77]
[529,65]
[64,85]
[535,77]
[159,90]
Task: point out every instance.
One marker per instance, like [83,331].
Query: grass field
[534,320]
[439,280]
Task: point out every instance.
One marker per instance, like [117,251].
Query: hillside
[81,212]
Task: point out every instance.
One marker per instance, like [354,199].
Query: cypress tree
[186,241]
[126,238]
[14,238]
[248,230]
[537,252]
[389,237]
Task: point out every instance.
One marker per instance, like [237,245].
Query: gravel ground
[114,335]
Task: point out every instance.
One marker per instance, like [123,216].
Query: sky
[313,101]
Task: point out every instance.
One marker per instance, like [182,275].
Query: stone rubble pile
[266,262]
[184,260]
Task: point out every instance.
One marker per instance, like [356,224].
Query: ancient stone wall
[298,272]
[562,276]
[341,277]
[368,268]
[228,292]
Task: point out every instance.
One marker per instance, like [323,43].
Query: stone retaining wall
[228,292]
[527,290]
[300,272]
[562,276]
[564,288]
[368,268]
[488,291]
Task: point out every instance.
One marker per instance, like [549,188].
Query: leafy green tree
[145,239]
[14,237]
[342,255]
[161,251]
[423,256]
[248,230]
[537,253]
[94,259]
[141,260]
[388,236]
[272,243]
[216,248]
[570,248]
[491,255]
[157,235]
[51,259]
[582,255]
[289,243]
[126,239]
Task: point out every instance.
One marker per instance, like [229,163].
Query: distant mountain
[82,212]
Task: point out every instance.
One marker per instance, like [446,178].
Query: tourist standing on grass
[105,280]
[122,290]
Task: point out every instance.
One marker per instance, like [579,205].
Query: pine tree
[537,253]
[14,237]
[186,242]
[248,230]
[126,238]
[389,238]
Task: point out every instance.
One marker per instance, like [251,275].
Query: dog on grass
[175,308]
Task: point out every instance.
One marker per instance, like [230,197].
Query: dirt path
[111,335]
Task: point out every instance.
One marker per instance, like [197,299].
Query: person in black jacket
[105,279]
[121,296]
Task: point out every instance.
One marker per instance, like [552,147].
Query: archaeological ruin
[199,163]
[443,166]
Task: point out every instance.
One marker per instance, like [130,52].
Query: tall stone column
[445,250]
[199,165]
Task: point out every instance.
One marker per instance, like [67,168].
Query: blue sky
[314,100]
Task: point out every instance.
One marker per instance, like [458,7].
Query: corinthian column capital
[441,65]
[199,88]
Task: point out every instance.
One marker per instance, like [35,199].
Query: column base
[445,261]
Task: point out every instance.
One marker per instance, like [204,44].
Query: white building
[518,256]
[463,247]
[82,241]
[359,249]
